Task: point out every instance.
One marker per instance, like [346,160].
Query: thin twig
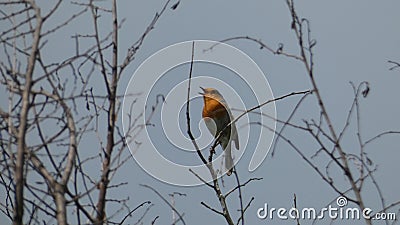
[133,210]
[212,209]
[244,184]
[189,131]
[245,209]
[295,206]
[216,139]
[239,187]
[278,51]
[166,201]
[396,65]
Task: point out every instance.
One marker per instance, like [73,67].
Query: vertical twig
[20,159]
[221,197]
[189,130]
[112,90]
[295,206]
[297,26]
[239,186]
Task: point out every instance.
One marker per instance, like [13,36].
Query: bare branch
[166,201]
[20,160]
[133,210]
[396,65]
[278,51]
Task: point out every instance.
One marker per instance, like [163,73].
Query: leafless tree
[356,166]
[54,105]
[208,161]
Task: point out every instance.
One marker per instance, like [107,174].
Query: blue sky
[355,39]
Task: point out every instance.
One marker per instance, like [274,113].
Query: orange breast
[213,109]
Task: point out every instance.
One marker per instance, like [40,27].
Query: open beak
[204,91]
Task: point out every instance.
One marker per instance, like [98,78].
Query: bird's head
[210,93]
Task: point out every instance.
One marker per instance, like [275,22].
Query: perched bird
[217,116]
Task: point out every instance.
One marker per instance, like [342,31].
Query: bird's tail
[228,160]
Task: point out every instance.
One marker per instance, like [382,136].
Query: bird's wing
[234,132]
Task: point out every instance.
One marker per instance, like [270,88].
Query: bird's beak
[204,91]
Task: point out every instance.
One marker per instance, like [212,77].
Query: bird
[217,116]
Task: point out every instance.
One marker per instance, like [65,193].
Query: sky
[354,41]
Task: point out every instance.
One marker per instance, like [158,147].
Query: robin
[217,116]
